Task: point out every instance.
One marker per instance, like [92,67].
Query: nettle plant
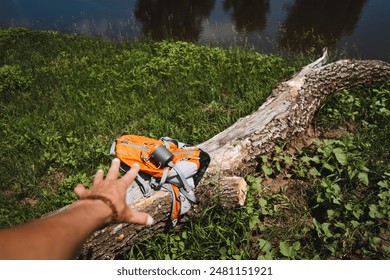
[348,202]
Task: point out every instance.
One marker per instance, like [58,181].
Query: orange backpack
[165,164]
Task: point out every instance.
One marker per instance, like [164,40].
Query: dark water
[356,28]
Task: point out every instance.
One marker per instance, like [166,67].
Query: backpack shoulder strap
[187,191]
[168,140]
[144,186]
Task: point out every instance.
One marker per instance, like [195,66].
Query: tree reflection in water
[309,24]
[248,15]
[298,25]
[318,23]
[176,19]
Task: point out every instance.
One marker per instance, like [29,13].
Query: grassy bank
[64,98]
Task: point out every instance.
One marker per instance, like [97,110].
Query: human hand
[115,189]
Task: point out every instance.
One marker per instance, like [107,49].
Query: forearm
[59,236]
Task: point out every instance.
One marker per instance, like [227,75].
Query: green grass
[65,98]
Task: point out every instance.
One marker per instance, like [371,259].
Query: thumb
[80,190]
[135,217]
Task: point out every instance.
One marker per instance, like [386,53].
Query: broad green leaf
[328,166]
[253,222]
[375,240]
[352,172]
[363,177]
[386,249]
[288,160]
[383,184]
[374,212]
[265,245]
[278,149]
[266,170]
[264,159]
[325,228]
[313,171]
[296,245]
[285,249]
[330,213]
[341,156]
[305,159]
[315,159]
[355,224]
[262,202]
[357,212]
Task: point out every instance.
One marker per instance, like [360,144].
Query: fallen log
[286,114]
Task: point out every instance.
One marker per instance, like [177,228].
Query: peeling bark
[288,111]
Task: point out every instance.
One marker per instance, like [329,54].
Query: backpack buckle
[112,148]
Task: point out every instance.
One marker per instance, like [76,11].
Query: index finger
[129,177]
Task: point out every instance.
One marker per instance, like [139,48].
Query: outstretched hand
[61,235]
[115,190]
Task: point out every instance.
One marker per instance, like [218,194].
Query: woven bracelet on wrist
[114,217]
